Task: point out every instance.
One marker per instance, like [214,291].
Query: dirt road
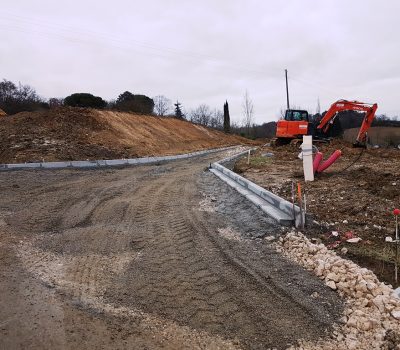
[146,258]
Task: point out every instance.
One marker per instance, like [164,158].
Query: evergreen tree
[178,111]
[227,121]
[134,103]
[84,100]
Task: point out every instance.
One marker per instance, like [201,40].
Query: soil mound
[78,134]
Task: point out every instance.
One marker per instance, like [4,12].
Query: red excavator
[297,123]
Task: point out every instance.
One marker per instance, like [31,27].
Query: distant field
[378,135]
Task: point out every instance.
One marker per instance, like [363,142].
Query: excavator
[297,123]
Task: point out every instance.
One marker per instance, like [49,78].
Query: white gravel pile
[371,318]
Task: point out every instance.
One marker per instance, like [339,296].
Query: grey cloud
[208,51]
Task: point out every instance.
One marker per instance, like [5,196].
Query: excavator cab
[296,115]
[294,125]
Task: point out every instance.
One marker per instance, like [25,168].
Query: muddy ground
[359,199]
[149,257]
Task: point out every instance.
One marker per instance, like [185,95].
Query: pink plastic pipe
[332,159]
[317,159]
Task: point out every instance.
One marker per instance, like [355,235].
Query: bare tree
[55,102]
[162,105]
[248,111]
[14,99]
[201,115]
[217,119]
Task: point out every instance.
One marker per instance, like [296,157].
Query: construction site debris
[357,199]
[370,318]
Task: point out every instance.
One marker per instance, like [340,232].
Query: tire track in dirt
[186,275]
[132,246]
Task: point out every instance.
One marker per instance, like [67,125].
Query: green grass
[258,161]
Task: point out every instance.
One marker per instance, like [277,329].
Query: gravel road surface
[152,257]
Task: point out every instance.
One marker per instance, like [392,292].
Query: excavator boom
[343,105]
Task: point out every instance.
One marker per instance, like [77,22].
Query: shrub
[134,103]
[84,100]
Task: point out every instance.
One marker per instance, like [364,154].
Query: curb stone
[274,206]
[107,163]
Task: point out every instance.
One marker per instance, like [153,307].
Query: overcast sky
[207,51]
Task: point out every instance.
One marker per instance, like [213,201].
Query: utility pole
[287,90]
[318,107]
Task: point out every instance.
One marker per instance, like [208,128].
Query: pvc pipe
[317,160]
[332,159]
[307,158]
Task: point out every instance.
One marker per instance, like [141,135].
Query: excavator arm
[343,105]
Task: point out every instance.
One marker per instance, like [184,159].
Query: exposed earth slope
[80,134]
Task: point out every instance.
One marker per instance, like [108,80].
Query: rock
[333,277]
[352,344]
[319,271]
[378,302]
[354,240]
[396,293]
[343,286]
[376,291]
[371,286]
[344,250]
[364,302]
[331,285]
[362,286]
[389,307]
[358,313]
[352,322]
[396,314]
[359,294]
[366,326]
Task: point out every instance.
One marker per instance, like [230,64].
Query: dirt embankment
[80,134]
[358,200]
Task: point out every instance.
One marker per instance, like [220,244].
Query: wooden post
[300,205]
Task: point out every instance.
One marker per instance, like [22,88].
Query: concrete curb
[107,163]
[274,206]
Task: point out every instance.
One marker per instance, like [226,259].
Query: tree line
[15,98]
